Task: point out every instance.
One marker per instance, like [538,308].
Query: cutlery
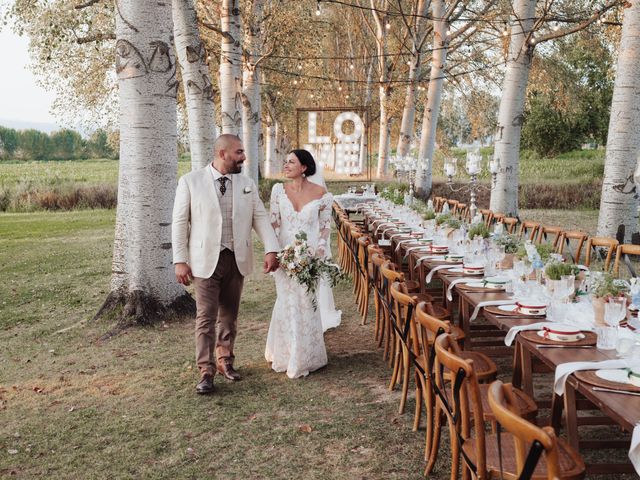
[565,346]
[610,390]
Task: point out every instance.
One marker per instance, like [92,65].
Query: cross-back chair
[602,248]
[623,253]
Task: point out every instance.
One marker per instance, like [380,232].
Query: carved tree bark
[251,93]
[619,203]
[504,194]
[143,280]
[409,110]
[231,68]
[196,80]
[424,178]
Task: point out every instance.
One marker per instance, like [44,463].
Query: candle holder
[473,166]
[409,165]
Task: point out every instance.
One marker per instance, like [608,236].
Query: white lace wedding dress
[295,342]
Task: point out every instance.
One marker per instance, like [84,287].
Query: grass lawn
[75,408]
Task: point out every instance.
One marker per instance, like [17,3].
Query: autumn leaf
[305,428]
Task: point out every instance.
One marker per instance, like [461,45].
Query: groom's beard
[237,168]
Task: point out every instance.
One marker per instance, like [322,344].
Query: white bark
[384,89]
[146,68]
[196,80]
[409,110]
[270,158]
[619,203]
[364,140]
[251,104]
[424,177]
[504,194]
[231,68]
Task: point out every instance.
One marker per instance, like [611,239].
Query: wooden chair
[466,409]
[567,237]
[551,235]
[362,275]
[461,211]
[528,230]
[622,252]
[521,448]
[429,326]
[372,272]
[438,203]
[487,216]
[510,224]
[407,346]
[377,260]
[603,247]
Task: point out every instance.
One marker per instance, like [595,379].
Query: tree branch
[96,37]
[86,4]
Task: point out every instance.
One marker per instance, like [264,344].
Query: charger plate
[589,339]
[590,377]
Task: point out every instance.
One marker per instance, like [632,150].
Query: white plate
[497,280]
[384,243]
[507,308]
[618,375]
[455,270]
[476,284]
[541,334]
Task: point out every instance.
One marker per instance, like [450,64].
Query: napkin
[411,249]
[426,257]
[565,369]
[384,224]
[456,281]
[513,331]
[634,451]
[488,303]
[401,242]
[439,267]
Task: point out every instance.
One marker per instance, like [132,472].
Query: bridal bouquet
[298,262]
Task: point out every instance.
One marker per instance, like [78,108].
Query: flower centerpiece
[602,286]
[297,261]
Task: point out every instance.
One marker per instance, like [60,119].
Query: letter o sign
[339,123]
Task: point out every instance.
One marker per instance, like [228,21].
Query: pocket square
[246,190]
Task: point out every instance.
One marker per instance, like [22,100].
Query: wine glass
[615,310]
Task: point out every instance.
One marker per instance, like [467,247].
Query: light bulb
[387,26]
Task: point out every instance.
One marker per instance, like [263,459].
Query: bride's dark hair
[307,160]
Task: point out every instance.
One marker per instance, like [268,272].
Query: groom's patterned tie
[223,185]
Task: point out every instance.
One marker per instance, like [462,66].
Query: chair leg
[436,437]
[406,371]
[418,412]
[396,369]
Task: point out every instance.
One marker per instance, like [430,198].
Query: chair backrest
[528,229]
[487,216]
[363,253]
[405,306]
[622,252]
[461,211]
[463,406]
[438,203]
[529,439]
[566,238]
[510,224]
[548,234]
[598,245]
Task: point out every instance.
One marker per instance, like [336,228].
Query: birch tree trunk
[270,157]
[504,194]
[251,103]
[196,80]
[384,89]
[231,68]
[143,280]
[364,140]
[424,177]
[619,203]
[409,110]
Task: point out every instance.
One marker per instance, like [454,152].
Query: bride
[295,341]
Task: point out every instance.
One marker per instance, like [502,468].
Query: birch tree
[231,68]
[143,281]
[418,32]
[380,13]
[196,81]
[251,92]
[619,202]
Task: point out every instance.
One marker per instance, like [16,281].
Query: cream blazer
[196,229]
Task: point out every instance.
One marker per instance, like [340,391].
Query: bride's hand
[271,263]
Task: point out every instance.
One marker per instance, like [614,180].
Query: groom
[214,211]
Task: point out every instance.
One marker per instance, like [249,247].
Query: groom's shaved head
[228,154]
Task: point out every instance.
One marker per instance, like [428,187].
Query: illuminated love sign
[342,151]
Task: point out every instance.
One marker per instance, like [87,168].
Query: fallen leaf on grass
[305,428]
[38,389]
[12,451]
[71,409]
[253,416]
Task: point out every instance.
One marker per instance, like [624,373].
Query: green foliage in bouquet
[556,270]
[479,230]
[606,285]
[429,214]
[396,196]
[510,242]
[443,218]
[453,223]
[298,261]
[544,250]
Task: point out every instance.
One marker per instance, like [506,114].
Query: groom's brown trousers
[217,302]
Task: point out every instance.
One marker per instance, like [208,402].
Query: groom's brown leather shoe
[228,372]
[205,385]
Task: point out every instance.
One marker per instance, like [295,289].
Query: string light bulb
[295,82]
[352,66]
[318,9]
[299,66]
[387,26]
[556,27]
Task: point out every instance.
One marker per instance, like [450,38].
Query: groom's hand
[271,262]
[183,273]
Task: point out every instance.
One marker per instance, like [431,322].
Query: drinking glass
[615,310]
[606,338]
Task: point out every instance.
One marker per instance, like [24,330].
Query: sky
[21,99]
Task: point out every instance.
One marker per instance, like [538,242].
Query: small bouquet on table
[298,261]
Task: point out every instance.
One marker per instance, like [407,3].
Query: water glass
[615,310]
[606,338]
